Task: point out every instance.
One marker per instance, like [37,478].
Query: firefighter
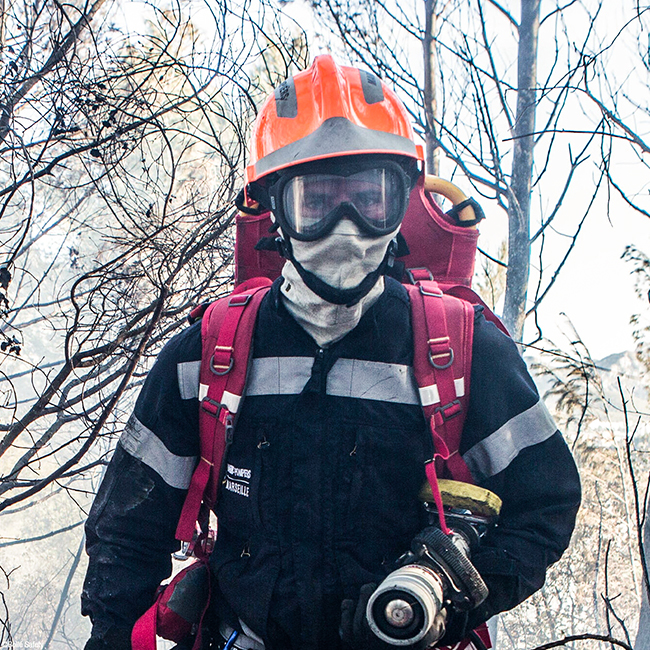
[320,495]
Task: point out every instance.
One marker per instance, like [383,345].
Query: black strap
[259,194]
[240,204]
[323,363]
[268,244]
[479,215]
[395,270]
[401,246]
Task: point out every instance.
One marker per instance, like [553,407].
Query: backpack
[441,246]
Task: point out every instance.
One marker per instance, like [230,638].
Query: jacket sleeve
[131,527]
[512,447]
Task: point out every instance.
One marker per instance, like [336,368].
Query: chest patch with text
[238,480]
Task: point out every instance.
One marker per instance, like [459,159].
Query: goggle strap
[259,194]
[267,244]
[240,204]
[401,248]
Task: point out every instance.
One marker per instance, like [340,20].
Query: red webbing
[143,635]
[218,315]
[238,336]
[227,334]
[190,512]
[439,345]
[421,366]
[442,327]
[451,320]
[432,477]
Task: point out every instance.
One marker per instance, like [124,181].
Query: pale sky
[595,289]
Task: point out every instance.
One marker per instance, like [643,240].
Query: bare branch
[506,13]
[8,107]
[38,538]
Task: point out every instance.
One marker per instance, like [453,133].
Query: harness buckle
[239,300]
[187,548]
[185,552]
[435,294]
[449,411]
[441,366]
[223,370]
[212,407]
[418,274]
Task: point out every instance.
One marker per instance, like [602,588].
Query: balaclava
[343,260]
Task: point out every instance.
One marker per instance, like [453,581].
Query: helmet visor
[375,198]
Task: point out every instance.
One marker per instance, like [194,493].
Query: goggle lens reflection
[376,193]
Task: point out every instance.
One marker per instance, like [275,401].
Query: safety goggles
[309,205]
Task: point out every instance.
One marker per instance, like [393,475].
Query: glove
[456,628]
[355,631]
[500,572]
[113,639]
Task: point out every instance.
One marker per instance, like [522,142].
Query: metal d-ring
[443,366]
[220,373]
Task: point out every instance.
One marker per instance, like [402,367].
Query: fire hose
[409,608]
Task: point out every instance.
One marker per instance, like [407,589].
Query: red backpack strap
[227,334]
[469,295]
[443,328]
[143,635]
[161,620]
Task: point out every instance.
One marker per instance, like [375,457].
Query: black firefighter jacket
[320,492]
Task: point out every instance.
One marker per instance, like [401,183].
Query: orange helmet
[326,111]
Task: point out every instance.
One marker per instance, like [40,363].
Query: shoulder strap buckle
[448,411]
[239,299]
[430,289]
[212,407]
[417,274]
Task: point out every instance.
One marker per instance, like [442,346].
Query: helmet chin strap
[348,297]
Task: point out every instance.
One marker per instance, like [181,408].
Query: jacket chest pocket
[247,481]
[385,471]
[263,486]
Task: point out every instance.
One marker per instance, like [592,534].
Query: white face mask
[342,260]
[344,257]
